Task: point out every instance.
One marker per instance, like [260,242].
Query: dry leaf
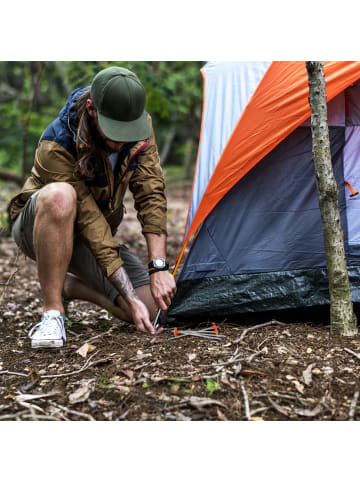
[141,356]
[224,379]
[257,419]
[316,371]
[307,375]
[309,413]
[85,349]
[82,393]
[299,386]
[200,402]
[327,371]
[237,369]
[221,416]
[191,356]
[309,350]
[28,396]
[128,373]
[196,378]
[121,388]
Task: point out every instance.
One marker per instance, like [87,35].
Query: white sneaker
[50,332]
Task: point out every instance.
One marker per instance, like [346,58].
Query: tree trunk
[167,145]
[188,158]
[35,86]
[342,317]
[6,175]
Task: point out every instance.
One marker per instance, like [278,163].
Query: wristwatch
[158,264]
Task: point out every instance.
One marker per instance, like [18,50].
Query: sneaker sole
[47,343]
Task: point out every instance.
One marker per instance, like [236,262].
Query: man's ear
[90,108]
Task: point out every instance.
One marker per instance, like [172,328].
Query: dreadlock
[90,147]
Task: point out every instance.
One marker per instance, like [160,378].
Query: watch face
[159,263]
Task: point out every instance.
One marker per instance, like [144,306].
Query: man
[70,207]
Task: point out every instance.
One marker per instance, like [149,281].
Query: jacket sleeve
[54,164]
[147,186]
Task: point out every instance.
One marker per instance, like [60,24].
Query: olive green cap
[119,99]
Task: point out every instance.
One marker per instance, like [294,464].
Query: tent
[253,218]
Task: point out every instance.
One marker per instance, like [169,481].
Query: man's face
[113,146]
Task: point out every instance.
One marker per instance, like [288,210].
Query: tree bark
[167,145]
[10,176]
[342,317]
[27,120]
[188,158]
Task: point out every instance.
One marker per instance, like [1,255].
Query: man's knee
[58,200]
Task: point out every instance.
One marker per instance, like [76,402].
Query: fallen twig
[278,408]
[258,410]
[7,372]
[356,355]
[266,339]
[13,415]
[72,412]
[36,417]
[86,365]
[246,401]
[252,328]
[251,357]
[101,334]
[353,405]
[10,277]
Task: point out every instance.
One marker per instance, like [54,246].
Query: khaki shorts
[82,263]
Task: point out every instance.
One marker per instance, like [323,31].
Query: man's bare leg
[53,239]
[76,289]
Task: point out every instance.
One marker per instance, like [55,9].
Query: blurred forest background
[33,93]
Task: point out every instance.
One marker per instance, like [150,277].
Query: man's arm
[140,313]
[162,283]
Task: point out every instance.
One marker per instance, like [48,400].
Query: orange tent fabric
[278,106]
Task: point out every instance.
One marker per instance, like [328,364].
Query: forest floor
[259,370]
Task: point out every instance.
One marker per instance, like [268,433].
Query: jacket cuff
[153,229]
[112,267]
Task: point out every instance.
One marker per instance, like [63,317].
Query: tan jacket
[100,209]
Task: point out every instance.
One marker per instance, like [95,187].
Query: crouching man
[69,209]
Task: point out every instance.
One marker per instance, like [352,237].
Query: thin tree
[342,317]
[35,86]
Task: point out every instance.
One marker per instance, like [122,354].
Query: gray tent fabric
[262,247]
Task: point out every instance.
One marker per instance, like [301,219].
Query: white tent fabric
[228,88]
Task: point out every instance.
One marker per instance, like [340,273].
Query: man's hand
[163,289]
[139,312]
[141,316]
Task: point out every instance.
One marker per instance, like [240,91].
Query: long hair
[90,147]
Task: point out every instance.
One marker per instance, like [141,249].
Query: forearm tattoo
[122,283]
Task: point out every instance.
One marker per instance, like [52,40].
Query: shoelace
[46,326]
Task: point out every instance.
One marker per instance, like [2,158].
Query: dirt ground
[258,370]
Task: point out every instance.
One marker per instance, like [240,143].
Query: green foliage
[4,222]
[212,385]
[174,100]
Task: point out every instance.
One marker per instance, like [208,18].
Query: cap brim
[120,131]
